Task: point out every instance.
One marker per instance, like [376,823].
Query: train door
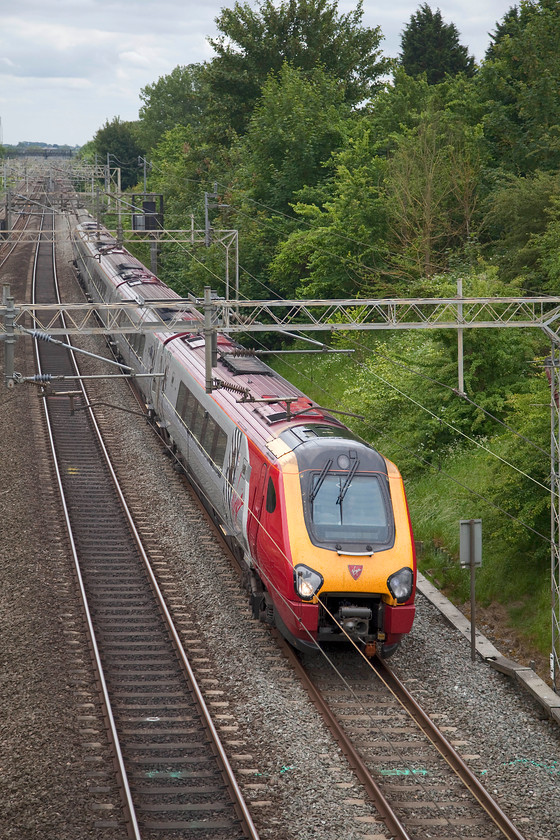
[156,367]
[255,510]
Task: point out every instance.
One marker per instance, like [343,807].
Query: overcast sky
[66,66]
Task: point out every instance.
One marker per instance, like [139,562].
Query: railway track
[174,776]
[413,774]
[420,784]
[20,225]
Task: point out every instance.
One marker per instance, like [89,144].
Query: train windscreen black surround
[346,496]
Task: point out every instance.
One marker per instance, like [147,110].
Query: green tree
[520,86]
[509,27]
[295,127]
[120,139]
[304,33]
[430,46]
[87,151]
[183,168]
[338,249]
[175,99]
[431,183]
[433,177]
[518,213]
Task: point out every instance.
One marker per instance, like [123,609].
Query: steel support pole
[10,339]
[460,363]
[119,210]
[555,514]
[473,593]
[208,337]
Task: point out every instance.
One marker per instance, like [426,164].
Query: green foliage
[120,140]
[255,40]
[518,227]
[87,152]
[340,249]
[432,179]
[509,27]
[430,46]
[174,100]
[520,85]
[432,138]
[294,129]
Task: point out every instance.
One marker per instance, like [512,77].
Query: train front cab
[351,552]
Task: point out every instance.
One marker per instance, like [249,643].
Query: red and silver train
[318,516]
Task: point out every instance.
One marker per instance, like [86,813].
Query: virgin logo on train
[355,571]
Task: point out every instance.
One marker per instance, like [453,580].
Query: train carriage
[318,517]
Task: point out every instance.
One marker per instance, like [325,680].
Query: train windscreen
[349,512]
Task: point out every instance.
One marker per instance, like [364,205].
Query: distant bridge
[40,151]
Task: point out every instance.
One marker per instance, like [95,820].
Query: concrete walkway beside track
[526,677]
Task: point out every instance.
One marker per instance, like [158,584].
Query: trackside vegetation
[349,173]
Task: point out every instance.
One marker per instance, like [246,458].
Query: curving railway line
[174,779]
[173,773]
[410,771]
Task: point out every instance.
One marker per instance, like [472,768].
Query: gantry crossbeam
[301,315]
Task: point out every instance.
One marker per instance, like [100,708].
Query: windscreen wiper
[346,485]
[322,476]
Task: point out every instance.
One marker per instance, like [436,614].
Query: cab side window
[270,496]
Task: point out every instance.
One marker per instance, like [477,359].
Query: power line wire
[454,391]
[428,463]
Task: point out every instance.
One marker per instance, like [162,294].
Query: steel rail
[239,799]
[430,730]
[448,753]
[121,770]
[7,239]
[240,805]
[386,812]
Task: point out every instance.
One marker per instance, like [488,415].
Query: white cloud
[69,65]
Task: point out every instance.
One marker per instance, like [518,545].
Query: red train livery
[318,517]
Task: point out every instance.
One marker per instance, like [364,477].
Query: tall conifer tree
[428,45]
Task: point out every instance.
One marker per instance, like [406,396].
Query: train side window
[197,420]
[219,447]
[270,497]
[190,408]
[208,435]
[181,404]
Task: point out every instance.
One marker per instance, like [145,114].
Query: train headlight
[400,585]
[307,582]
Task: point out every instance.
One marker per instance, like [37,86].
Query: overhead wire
[454,391]
[457,430]
[272,585]
[437,469]
[438,417]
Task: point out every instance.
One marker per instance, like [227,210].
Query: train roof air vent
[245,364]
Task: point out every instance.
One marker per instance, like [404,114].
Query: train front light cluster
[307,582]
[400,584]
